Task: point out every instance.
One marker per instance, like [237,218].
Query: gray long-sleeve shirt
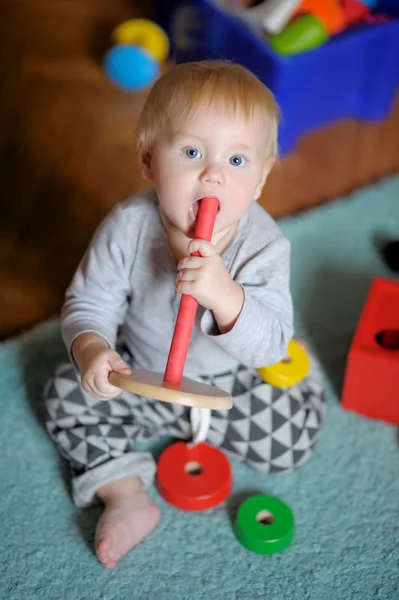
[126,282]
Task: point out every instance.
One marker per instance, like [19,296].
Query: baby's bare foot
[123,524]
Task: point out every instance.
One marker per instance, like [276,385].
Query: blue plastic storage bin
[355,74]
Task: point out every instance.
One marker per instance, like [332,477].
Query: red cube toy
[371,385]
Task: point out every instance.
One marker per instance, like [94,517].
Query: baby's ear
[269,163]
[145,164]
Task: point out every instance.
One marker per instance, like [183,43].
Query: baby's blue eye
[237,160]
[193,153]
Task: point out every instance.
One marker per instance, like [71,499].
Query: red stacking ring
[194,477]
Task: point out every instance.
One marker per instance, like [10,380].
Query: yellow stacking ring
[143,33]
[290,370]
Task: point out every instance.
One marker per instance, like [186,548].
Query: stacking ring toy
[143,33]
[264,524]
[288,372]
[171,386]
[194,478]
[186,392]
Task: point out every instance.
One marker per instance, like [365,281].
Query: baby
[207,129]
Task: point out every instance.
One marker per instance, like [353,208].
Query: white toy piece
[200,419]
[274,14]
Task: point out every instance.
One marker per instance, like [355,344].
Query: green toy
[264,524]
[304,33]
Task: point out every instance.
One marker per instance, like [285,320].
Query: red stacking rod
[188,306]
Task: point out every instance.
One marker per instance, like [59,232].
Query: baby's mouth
[193,211]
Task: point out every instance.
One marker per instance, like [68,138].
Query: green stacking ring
[264,524]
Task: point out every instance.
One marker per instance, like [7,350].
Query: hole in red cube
[388,339]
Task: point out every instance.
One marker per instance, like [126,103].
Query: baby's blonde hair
[189,86]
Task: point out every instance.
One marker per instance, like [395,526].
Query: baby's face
[209,154]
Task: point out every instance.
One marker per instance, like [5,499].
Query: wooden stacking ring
[264,524]
[289,371]
[189,392]
[194,478]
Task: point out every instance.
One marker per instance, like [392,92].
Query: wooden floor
[66,143]
[67,149]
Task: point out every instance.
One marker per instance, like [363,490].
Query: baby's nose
[212,174]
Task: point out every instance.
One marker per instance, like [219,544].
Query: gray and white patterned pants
[271,429]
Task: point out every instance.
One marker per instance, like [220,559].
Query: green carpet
[345,499]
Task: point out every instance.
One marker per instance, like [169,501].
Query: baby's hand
[204,277]
[96,363]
